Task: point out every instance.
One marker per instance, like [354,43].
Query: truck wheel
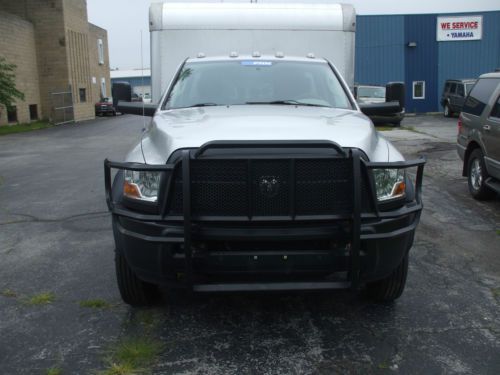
[390,288]
[447,111]
[134,291]
[477,175]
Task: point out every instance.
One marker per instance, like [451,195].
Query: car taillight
[459,124]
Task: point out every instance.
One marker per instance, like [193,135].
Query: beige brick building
[62,60]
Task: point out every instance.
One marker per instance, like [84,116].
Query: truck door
[491,137]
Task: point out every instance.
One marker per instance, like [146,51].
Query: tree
[8,90]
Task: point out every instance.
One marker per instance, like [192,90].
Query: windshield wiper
[201,105]
[289,102]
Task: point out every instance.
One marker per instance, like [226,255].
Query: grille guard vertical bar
[186,206]
[356,219]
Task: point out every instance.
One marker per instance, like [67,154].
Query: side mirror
[395,91]
[380,109]
[136,108]
[121,91]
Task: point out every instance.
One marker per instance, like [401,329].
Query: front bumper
[223,254]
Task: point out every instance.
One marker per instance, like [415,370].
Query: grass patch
[384,128]
[54,371]
[9,293]
[148,318]
[498,232]
[21,128]
[41,299]
[133,355]
[95,304]
[384,365]
[495,292]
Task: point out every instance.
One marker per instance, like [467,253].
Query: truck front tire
[390,288]
[134,291]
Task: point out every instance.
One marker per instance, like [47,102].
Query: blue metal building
[405,48]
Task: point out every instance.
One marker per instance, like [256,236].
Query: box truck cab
[258,170]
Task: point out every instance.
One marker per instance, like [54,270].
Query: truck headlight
[389,183]
[141,185]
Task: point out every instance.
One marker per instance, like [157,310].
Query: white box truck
[181,30]
[258,171]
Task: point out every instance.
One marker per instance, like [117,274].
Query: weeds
[41,299]
[95,304]
[21,128]
[8,293]
[54,371]
[132,356]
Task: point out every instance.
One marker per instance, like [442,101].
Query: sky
[124,20]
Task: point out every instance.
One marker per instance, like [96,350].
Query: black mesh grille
[324,186]
[279,187]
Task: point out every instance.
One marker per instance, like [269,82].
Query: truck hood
[191,127]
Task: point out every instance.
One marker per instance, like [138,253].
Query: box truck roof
[229,16]
[182,30]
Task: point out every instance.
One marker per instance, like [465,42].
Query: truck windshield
[257,82]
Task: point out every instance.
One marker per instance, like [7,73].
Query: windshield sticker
[257,63]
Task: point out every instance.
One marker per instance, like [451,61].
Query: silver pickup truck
[261,174]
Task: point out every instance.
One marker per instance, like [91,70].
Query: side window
[480,95]
[100,51]
[495,112]
[83,95]
[418,89]
[460,89]
[447,87]
[453,88]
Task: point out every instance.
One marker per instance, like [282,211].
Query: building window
[100,51]
[33,112]
[103,87]
[12,114]
[83,95]
[418,89]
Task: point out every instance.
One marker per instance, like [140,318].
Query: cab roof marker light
[310,55]
[279,55]
[256,54]
[201,55]
[233,54]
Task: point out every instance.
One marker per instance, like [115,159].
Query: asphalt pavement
[56,257]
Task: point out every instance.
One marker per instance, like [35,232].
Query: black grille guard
[359,165]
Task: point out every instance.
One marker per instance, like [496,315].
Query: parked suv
[454,93]
[478,140]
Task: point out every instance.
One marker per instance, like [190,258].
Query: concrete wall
[47,17]
[77,43]
[17,46]
[63,44]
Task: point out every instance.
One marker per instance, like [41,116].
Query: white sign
[459,28]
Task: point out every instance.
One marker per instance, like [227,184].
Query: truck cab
[260,172]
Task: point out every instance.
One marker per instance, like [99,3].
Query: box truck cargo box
[182,30]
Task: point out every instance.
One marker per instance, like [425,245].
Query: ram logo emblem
[269,186]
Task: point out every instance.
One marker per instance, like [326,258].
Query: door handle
[486,127]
